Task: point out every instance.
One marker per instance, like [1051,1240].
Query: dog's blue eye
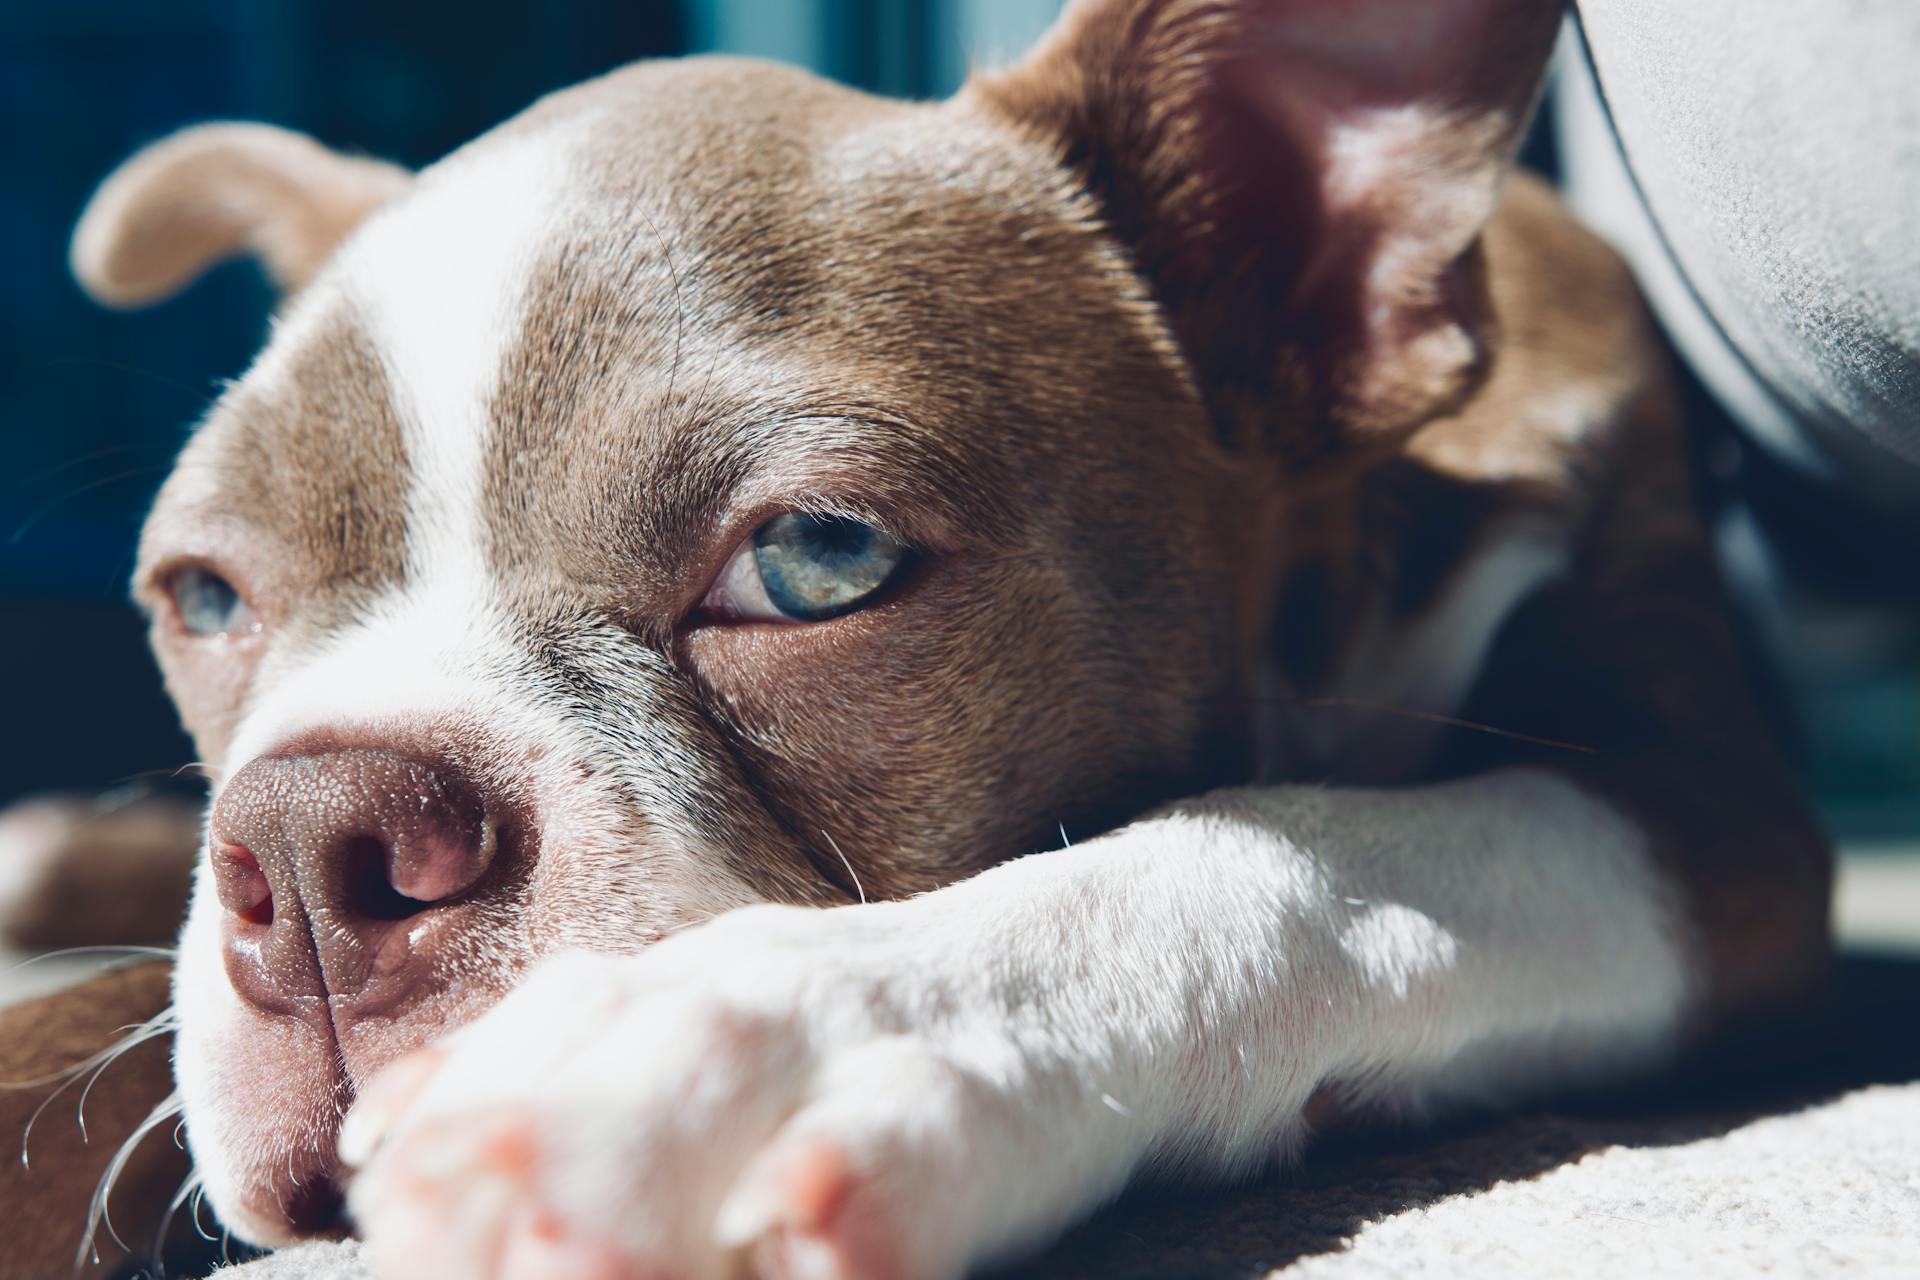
[208,604]
[814,567]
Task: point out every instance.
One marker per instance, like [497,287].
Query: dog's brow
[867,464]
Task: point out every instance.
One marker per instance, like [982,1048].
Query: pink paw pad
[805,1214]
[538,1247]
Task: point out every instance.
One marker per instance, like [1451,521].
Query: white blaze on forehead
[440,284]
[437,283]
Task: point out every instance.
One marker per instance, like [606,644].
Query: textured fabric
[342,1261]
[1777,147]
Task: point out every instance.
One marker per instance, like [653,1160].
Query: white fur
[442,309]
[997,1057]
[436,281]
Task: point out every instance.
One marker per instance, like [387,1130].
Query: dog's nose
[334,867]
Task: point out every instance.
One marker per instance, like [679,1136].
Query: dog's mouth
[318,1208]
[307,1062]
[312,1207]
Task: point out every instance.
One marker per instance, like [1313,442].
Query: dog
[809,686]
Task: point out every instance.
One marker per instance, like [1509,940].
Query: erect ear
[1303,182]
[214,191]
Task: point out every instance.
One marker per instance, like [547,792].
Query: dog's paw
[779,1093]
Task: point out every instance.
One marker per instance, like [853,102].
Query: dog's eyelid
[875,467]
[144,590]
[911,529]
[152,583]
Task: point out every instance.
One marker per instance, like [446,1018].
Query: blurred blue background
[94,404]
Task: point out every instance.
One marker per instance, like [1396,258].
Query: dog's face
[715,486]
[697,522]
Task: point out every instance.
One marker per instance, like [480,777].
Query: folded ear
[211,192]
[1303,182]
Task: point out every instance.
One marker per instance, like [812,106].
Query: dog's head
[717,486]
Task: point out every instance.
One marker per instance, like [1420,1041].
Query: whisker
[165,953]
[98,1213]
[851,873]
[160,1024]
[91,362]
[199,1202]
[189,1187]
[92,455]
[1435,717]
[679,302]
[69,495]
[141,1033]
[143,779]
[1425,717]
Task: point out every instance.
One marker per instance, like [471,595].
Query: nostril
[241,885]
[369,886]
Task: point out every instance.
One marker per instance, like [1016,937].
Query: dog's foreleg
[941,1080]
[1210,968]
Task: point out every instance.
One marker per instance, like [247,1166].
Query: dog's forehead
[631,283]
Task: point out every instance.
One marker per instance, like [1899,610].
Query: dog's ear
[1303,182]
[214,191]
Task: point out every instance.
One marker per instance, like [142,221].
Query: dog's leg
[68,1039]
[904,1089]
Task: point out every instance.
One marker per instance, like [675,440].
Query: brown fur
[325,444]
[1632,656]
[212,192]
[46,1201]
